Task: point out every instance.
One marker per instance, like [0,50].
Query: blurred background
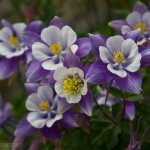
[84,16]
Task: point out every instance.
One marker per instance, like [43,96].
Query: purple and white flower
[43,107]
[70,83]
[120,55]
[54,46]
[138,19]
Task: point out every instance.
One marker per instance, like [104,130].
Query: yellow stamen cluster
[72,85]
[56,48]
[118,57]
[141,26]
[14,41]
[44,106]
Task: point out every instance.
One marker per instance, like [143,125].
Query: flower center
[56,48]
[14,41]
[119,57]
[44,105]
[141,26]
[72,85]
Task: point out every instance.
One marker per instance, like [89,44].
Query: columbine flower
[120,55]
[118,61]
[43,105]
[138,19]
[70,83]
[54,45]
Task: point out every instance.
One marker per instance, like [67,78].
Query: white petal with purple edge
[36,120]
[51,121]
[73,98]
[84,89]
[106,55]
[114,43]
[133,18]
[33,102]
[125,29]
[5,49]
[120,72]
[46,93]
[75,70]
[134,63]
[53,63]
[129,48]
[40,51]
[68,37]
[146,18]
[51,35]
[60,73]
[5,34]
[19,27]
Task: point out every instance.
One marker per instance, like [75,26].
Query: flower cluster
[60,81]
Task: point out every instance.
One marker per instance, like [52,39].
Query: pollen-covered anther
[118,57]
[56,49]
[14,41]
[141,26]
[72,85]
[44,106]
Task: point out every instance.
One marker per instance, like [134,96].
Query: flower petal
[146,19]
[84,89]
[5,34]
[19,27]
[59,89]
[73,98]
[51,121]
[125,29]
[75,70]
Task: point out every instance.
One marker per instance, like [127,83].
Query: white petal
[59,89]
[5,49]
[74,48]
[129,48]
[33,102]
[125,29]
[134,18]
[5,34]
[51,35]
[146,19]
[120,72]
[36,119]
[68,37]
[46,93]
[135,63]
[114,43]
[40,51]
[60,73]
[19,27]
[105,55]
[53,63]
[84,89]
[75,70]
[50,121]
[73,98]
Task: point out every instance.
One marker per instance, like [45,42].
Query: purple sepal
[117,25]
[131,83]
[72,60]
[35,26]
[36,144]
[98,73]
[140,7]
[86,103]
[69,120]
[35,72]
[57,21]
[31,87]
[29,38]
[130,110]
[24,128]
[84,47]
[7,24]
[96,41]
[134,35]
[145,52]
[63,105]
[52,133]
[51,81]
[8,67]
[18,142]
